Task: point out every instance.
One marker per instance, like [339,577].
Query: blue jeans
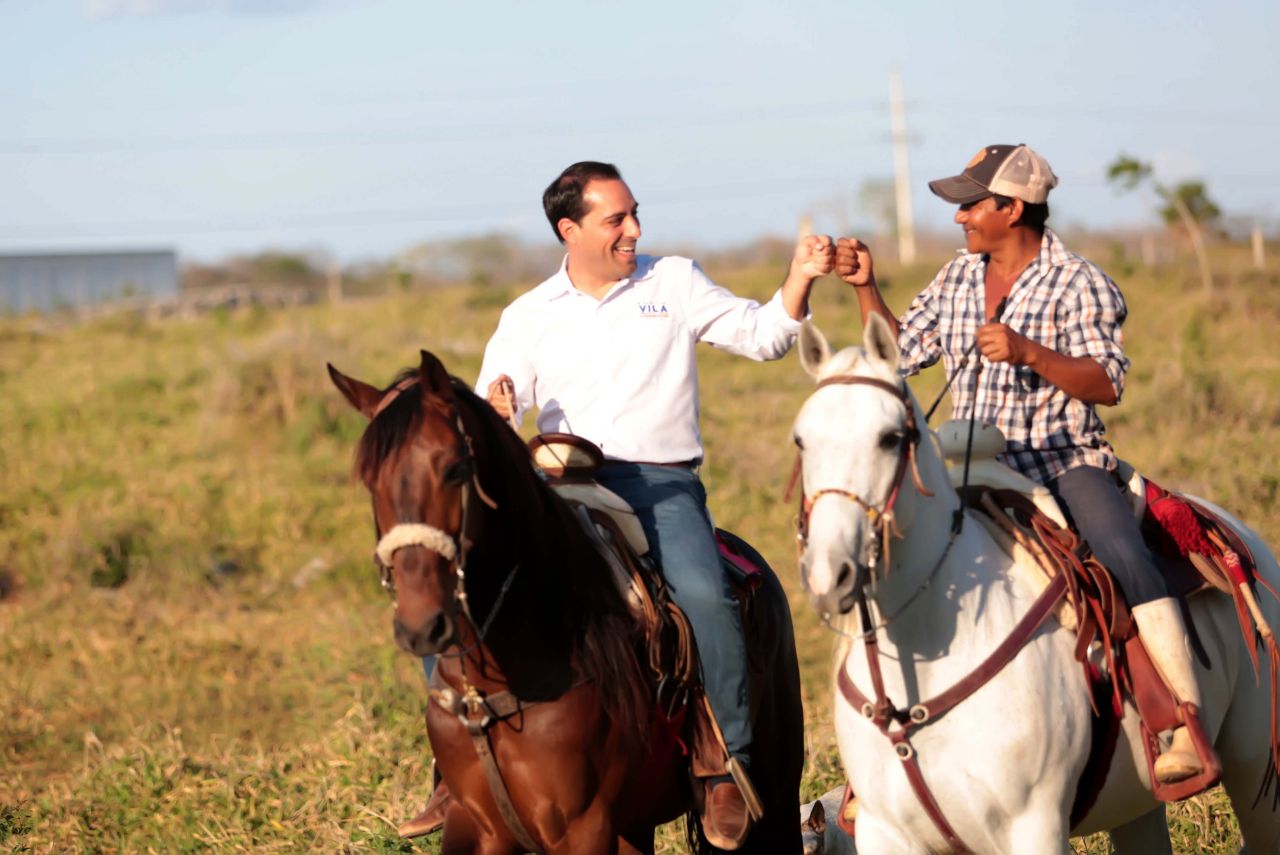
[1092,501]
[671,505]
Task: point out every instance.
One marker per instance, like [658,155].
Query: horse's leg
[874,835]
[1243,750]
[1037,831]
[463,837]
[1148,833]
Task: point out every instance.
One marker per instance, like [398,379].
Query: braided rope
[415,534]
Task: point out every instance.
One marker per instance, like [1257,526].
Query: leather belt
[678,464]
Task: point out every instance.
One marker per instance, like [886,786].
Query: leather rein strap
[882,712]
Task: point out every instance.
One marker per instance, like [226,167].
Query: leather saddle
[568,464]
[1194,548]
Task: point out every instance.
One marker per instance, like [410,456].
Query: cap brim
[959,190]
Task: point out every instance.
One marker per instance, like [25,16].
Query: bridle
[898,724]
[882,516]
[453,548]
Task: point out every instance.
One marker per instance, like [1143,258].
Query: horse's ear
[362,396]
[881,342]
[814,350]
[817,820]
[435,378]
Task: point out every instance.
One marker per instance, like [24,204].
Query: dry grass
[194,651]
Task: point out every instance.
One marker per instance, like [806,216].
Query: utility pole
[902,172]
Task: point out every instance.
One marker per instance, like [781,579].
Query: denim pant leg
[1092,500]
[671,505]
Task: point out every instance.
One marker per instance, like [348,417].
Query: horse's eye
[458,472]
[891,439]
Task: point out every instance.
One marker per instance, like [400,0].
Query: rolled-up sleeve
[505,354]
[1094,311]
[737,324]
[918,335]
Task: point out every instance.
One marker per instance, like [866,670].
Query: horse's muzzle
[435,634]
[841,597]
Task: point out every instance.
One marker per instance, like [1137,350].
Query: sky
[359,129]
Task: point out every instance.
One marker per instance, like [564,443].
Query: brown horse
[494,574]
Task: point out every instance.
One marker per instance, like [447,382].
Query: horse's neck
[525,642]
[937,582]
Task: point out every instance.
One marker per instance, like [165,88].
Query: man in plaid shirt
[1045,325]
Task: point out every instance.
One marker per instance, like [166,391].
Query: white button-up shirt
[621,371]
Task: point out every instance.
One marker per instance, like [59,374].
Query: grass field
[194,650]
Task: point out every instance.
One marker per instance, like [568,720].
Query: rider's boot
[729,800]
[432,816]
[1165,637]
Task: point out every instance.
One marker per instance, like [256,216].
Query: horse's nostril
[438,630]
[846,575]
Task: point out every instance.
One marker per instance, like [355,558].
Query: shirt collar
[1053,253]
[559,284]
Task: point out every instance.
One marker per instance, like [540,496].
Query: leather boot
[432,817]
[725,817]
[1165,637]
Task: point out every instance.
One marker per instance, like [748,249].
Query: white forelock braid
[415,534]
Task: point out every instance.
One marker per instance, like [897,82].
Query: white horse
[1003,764]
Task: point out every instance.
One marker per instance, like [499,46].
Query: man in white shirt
[604,349]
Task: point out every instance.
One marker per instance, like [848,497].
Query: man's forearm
[1079,376]
[871,302]
[795,294]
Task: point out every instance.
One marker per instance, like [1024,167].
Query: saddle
[1194,548]
[568,464]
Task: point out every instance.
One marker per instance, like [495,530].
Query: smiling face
[986,227]
[602,247]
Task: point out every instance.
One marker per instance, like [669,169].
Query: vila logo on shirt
[653,310]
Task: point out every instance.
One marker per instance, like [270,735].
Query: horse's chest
[1021,732]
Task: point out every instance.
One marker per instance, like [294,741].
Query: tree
[1186,203]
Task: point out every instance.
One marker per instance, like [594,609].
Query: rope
[415,534]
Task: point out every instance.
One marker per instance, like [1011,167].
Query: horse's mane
[566,579]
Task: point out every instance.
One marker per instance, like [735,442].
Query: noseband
[882,517]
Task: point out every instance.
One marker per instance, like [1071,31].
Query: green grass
[198,655]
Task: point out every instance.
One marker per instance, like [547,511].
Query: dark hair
[1033,216]
[564,197]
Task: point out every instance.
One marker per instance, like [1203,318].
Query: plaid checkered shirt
[1061,301]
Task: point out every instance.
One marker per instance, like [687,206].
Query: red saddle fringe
[1185,528]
